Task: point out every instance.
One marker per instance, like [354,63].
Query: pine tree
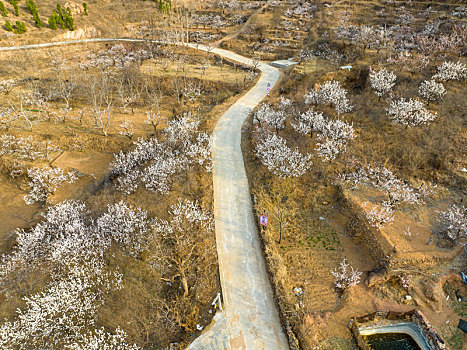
[69,21]
[8,26]
[3,9]
[15,6]
[60,19]
[52,22]
[35,15]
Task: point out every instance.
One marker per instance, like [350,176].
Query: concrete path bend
[250,320]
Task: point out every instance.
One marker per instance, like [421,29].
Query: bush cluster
[62,19]
[20,27]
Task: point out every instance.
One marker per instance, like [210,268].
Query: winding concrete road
[250,312]
[250,319]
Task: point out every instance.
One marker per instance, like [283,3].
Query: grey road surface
[250,311]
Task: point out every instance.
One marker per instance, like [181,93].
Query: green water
[391,341]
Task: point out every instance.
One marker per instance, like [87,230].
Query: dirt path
[251,317]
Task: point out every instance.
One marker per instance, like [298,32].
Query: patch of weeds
[323,239]
[460,308]
[456,341]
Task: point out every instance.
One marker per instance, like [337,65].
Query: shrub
[85,7]
[3,9]
[8,26]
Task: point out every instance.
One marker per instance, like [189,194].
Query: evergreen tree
[15,6]
[59,19]
[52,22]
[8,26]
[35,15]
[3,9]
[69,20]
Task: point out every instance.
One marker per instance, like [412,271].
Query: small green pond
[391,341]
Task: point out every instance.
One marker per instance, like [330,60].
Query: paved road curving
[250,319]
[250,311]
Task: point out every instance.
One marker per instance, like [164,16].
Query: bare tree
[101,95]
[275,202]
[65,80]
[183,242]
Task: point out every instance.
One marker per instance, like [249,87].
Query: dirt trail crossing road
[250,319]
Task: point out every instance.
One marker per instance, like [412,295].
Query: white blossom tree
[156,163]
[383,179]
[270,117]
[100,339]
[380,215]
[7,85]
[59,316]
[431,90]
[158,175]
[345,277]
[451,71]
[154,118]
[180,242]
[455,221]
[411,112]
[333,135]
[274,153]
[45,181]
[7,118]
[330,93]
[126,129]
[126,226]
[382,81]
[395,189]
[26,148]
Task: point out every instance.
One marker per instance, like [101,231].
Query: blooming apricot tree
[44,182]
[345,277]
[332,134]
[274,153]
[382,81]
[455,221]
[451,71]
[431,90]
[410,112]
[330,93]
